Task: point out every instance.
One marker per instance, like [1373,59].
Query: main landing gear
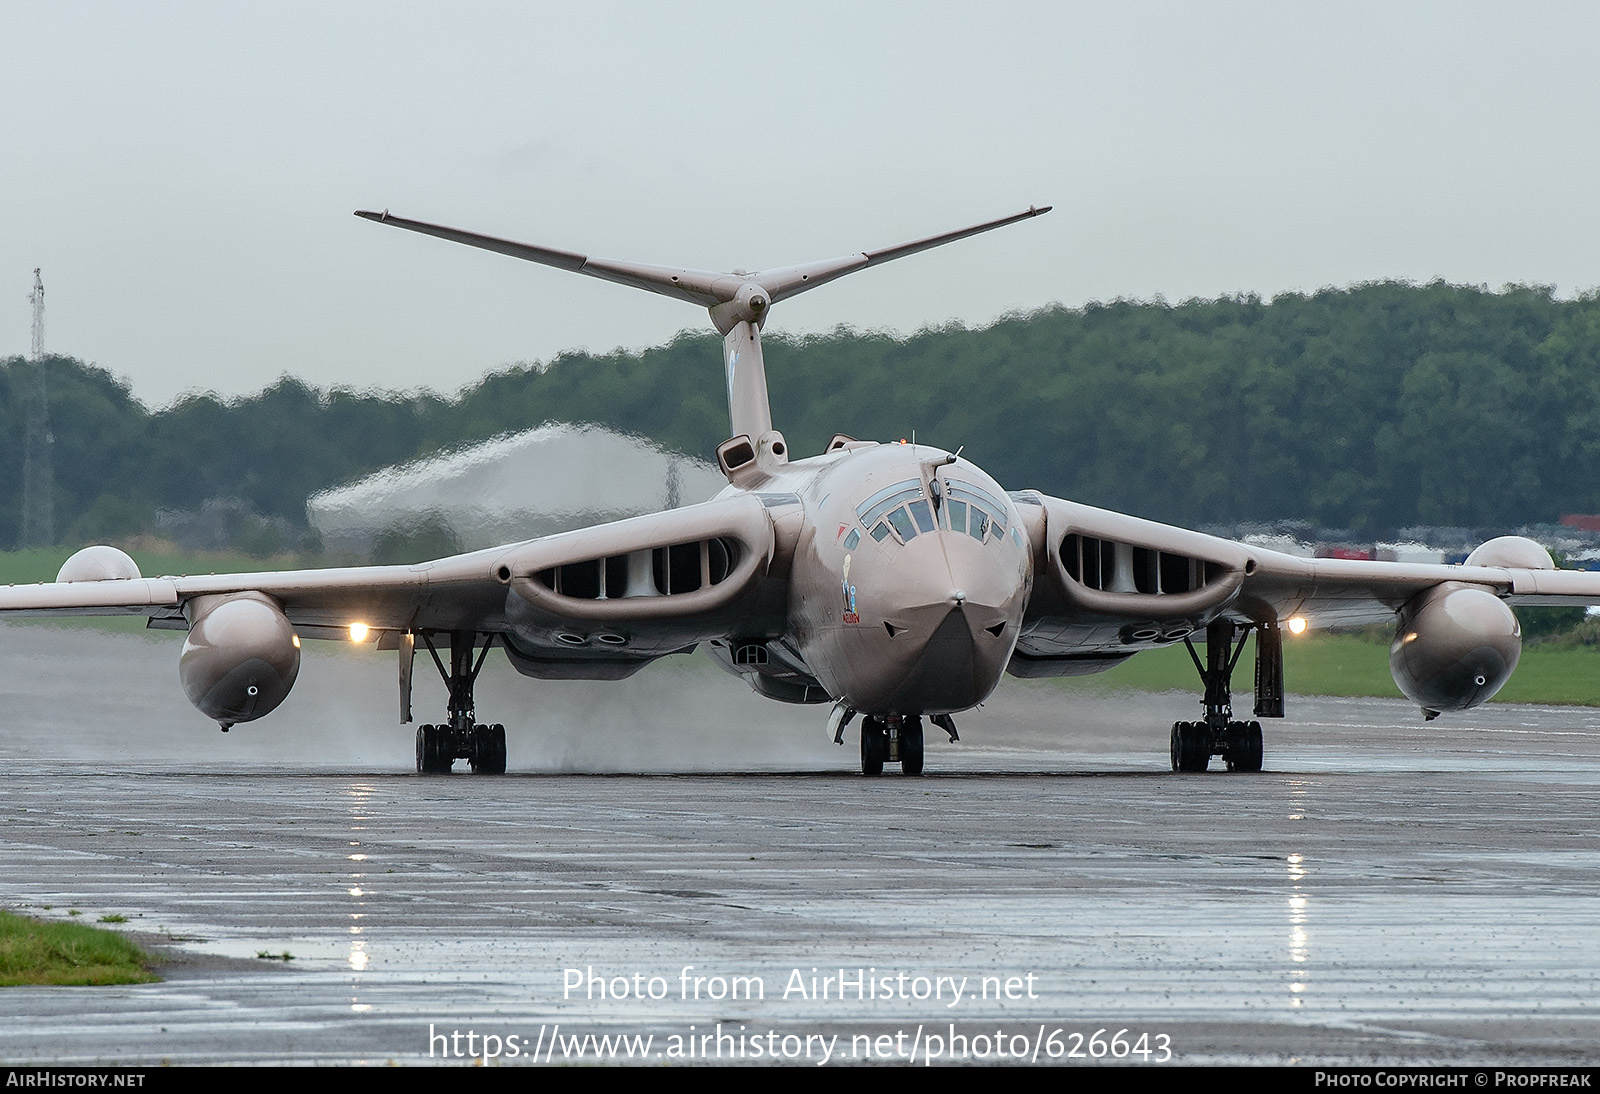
[1218,734]
[440,746]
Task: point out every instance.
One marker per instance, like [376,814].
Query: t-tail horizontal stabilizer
[738,302]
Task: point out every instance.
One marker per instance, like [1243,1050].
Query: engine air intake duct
[1124,567]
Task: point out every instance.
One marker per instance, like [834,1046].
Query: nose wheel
[874,746]
[890,739]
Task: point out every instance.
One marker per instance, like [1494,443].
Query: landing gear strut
[440,746]
[1218,734]
[889,738]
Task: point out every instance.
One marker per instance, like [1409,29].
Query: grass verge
[1356,665]
[34,952]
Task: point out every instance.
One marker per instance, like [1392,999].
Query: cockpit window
[906,510]
[986,509]
[902,525]
[886,499]
[977,494]
[955,515]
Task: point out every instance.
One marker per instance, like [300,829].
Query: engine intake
[1455,646]
[240,659]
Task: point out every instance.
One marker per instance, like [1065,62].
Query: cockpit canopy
[904,511]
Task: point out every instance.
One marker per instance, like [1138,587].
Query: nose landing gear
[891,738]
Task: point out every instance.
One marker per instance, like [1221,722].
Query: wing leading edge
[484,591]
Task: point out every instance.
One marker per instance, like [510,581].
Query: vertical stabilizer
[749,410]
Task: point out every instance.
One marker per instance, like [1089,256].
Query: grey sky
[185,172]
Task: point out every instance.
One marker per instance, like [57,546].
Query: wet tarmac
[1386,892]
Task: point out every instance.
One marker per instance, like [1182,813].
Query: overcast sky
[185,172]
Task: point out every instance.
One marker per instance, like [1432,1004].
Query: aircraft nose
[952,671]
[949,614]
[952,651]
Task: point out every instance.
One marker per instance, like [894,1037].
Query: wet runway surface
[1387,891]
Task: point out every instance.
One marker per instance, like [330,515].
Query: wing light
[358,632]
[1297,624]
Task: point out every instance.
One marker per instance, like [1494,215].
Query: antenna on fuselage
[739,303]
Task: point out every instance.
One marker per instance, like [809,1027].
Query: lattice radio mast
[38,472]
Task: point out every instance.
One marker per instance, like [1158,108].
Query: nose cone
[950,613]
[952,670]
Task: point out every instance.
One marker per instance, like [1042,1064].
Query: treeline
[1369,408]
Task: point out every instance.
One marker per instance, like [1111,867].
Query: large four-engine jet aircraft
[896,581]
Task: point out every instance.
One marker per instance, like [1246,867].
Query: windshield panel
[886,499]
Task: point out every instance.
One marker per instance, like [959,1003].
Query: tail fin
[738,302]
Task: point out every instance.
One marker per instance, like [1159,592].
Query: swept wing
[675,578]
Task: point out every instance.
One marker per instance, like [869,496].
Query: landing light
[1297,625]
[358,632]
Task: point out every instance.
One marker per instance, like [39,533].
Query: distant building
[1409,551]
[1343,550]
[1283,544]
[550,479]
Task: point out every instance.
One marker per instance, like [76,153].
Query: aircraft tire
[489,750]
[911,747]
[1191,747]
[1244,750]
[1253,748]
[429,760]
[874,746]
[1234,746]
[1199,747]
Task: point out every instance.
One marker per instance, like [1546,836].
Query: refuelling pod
[240,659]
[1455,646]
